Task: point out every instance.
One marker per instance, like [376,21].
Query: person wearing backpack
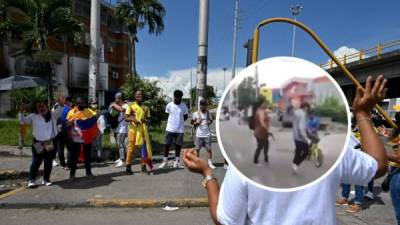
[201,121]
[120,127]
[259,122]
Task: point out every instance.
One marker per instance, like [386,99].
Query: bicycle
[316,153]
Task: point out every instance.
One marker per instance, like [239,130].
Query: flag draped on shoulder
[84,123]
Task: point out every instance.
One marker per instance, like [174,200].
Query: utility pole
[235,25]
[190,90]
[224,69]
[295,10]
[202,51]
[94,47]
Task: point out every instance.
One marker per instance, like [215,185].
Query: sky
[343,25]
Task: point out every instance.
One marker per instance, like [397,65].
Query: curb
[114,203]
[13,174]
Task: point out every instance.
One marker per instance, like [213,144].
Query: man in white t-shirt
[240,202]
[121,131]
[202,120]
[177,115]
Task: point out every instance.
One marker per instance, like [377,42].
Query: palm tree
[135,15]
[42,20]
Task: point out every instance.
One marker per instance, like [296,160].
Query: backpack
[111,120]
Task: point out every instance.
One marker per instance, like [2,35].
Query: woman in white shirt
[44,129]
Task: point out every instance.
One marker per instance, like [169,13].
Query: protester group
[78,126]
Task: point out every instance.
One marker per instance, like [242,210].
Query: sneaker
[342,201]
[46,183]
[144,169]
[369,195]
[31,184]
[225,166]
[117,161]
[119,164]
[295,168]
[177,164]
[55,163]
[162,165]
[211,165]
[129,170]
[354,208]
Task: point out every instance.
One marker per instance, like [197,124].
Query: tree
[151,97]
[246,92]
[135,15]
[210,94]
[41,21]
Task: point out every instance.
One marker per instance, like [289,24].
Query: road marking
[13,192]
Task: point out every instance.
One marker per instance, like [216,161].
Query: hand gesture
[194,163]
[366,100]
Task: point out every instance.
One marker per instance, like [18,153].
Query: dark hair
[304,105]
[178,94]
[203,102]
[68,99]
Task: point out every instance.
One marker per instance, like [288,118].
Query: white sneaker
[117,161]
[177,164]
[55,163]
[46,183]
[295,168]
[31,184]
[119,164]
[163,164]
[211,165]
[369,195]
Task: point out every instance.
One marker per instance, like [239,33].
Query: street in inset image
[282,122]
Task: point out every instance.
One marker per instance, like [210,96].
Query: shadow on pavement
[89,182]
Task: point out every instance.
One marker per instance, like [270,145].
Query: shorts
[171,138]
[202,142]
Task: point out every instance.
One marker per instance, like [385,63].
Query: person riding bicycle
[313,124]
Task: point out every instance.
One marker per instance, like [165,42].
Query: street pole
[94,47]
[190,90]
[295,10]
[224,69]
[234,38]
[202,51]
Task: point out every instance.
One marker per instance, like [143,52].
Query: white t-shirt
[241,202]
[202,130]
[176,121]
[122,125]
[42,130]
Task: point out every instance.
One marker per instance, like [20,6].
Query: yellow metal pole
[322,45]
[360,54]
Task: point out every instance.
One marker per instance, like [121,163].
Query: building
[72,69]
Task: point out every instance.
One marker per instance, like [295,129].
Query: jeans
[301,152]
[74,155]
[37,160]
[121,145]
[62,140]
[359,193]
[395,194]
[261,144]
[97,146]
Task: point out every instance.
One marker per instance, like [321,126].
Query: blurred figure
[201,121]
[300,135]
[96,147]
[63,139]
[177,115]
[261,122]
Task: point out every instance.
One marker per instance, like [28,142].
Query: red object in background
[81,158]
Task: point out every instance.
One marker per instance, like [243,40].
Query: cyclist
[313,124]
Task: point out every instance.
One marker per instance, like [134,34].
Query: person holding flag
[138,116]
[83,132]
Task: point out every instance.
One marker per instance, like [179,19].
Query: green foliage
[151,96]
[210,94]
[332,107]
[26,97]
[9,130]
[246,92]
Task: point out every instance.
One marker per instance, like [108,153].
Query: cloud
[350,53]
[180,79]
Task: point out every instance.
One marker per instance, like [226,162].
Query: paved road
[240,145]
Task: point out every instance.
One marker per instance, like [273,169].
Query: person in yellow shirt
[137,115]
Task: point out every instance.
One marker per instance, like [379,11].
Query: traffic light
[249,46]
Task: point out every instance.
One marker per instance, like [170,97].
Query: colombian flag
[86,121]
[146,152]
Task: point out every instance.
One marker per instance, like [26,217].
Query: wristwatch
[206,179]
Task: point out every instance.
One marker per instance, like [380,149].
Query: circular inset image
[283,123]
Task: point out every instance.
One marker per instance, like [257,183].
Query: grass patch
[9,133]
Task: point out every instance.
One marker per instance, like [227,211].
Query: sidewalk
[112,188]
